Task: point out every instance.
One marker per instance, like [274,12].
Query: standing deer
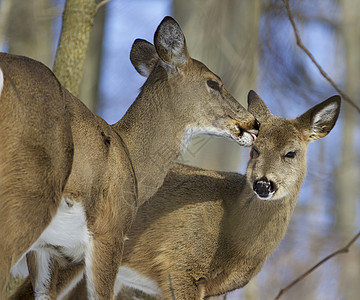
[70,184]
[211,232]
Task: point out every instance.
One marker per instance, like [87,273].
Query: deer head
[278,157]
[188,89]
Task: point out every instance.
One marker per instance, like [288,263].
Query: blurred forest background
[250,45]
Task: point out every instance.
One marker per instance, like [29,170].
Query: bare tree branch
[102,3]
[308,53]
[301,277]
[171,288]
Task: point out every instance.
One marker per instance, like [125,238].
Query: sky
[126,21]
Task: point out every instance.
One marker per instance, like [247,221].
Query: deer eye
[254,153]
[213,84]
[290,154]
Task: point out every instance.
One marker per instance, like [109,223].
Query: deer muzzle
[264,188]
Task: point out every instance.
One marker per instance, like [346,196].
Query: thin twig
[308,53]
[100,4]
[342,250]
[171,288]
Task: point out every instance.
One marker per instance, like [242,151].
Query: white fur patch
[191,132]
[325,115]
[1,81]
[41,288]
[143,70]
[89,272]
[67,230]
[246,139]
[266,198]
[130,278]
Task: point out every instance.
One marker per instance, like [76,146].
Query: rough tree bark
[78,20]
[348,171]
[89,86]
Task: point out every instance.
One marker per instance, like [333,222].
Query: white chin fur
[266,198]
[246,139]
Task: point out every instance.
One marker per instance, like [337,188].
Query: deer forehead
[279,134]
[201,71]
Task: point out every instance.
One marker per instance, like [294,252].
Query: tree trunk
[29,29]
[78,19]
[90,81]
[348,171]
[5,6]
[223,35]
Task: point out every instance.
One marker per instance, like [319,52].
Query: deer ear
[170,44]
[318,121]
[257,107]
[143,56]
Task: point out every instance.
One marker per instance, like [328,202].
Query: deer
[71,184]
[206,233]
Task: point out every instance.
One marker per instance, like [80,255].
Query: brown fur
[36,153]
[208,226]
[52,147]
[208,230]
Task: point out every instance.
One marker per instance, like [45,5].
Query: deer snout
[264,188]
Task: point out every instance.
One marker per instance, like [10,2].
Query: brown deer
[217,229]
[206,233]
[70,184]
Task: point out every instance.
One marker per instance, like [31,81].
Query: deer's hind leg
[70,284]
[32,180]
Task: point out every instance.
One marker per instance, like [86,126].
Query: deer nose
[257,125]
[264,188]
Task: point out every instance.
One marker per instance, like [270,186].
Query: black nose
[264,188]
[257,125]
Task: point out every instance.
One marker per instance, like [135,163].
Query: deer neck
[254,227]
[152,133]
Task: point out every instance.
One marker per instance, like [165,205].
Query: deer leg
[30,192]
[20,227]
[18,231]
[24,292]
[184,287]
[43,269]
[68,278]
[102,263]
[5,265]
